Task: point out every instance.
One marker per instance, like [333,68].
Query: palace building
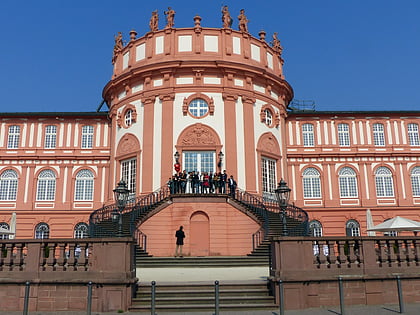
[205,100]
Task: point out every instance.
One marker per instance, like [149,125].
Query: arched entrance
[199,234]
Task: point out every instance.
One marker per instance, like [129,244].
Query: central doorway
[199,234]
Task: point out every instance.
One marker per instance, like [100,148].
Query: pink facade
[202,92]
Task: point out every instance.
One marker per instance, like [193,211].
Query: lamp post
[121,193]
[219,164]
[283,196]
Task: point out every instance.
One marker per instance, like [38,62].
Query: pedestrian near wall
[180,235]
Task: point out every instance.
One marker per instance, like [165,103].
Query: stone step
[211,261]
[201,297]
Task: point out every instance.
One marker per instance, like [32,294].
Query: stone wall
[310,268]
[58,273]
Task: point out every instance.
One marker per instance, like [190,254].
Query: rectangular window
[50,137]
[308,135]
[87,137]
[413,134]
[129,172]
[343,135]
[268,171]
[199,161]
[13,137]
[378,135]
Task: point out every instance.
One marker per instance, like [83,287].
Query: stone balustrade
[310,268]
[58,271]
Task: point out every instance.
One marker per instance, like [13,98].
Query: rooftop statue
[276,44]
[226,18]
[118,46]
[243,22]
[170,16]
[154,21]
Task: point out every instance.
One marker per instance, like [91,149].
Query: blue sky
[344,55]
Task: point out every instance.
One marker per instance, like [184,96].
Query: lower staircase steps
[201,297]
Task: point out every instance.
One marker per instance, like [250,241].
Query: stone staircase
[188,284]
[201,297]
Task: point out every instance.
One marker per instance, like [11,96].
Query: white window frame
[384,182]
[268,174]
[81,230]
[308,135]
[84,187]
[415,181]
[13,137]
[50,137]
[352,228]
[311,183]
[87,137]
[413,134]
[46,186]
[347,183]
[378,134]
[129,174]
[5,226]
[128,118]
[268,117]
[343,135]
[198,107]
[42,231]
[199,161]
[8,185]
[315,227]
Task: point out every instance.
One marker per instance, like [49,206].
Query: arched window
[268,172]
[81,230]
[87,137]
[308,135]
[415,181]
[4,225]
[84,186]
[311,183]
[315,228]
[343,135]
[46,186]
[384,182]
[42,231]
[347,181]
[352,228]
[8,185]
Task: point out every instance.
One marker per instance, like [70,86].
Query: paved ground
[410,309]
[161,275]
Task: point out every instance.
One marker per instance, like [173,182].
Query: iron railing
[137,209]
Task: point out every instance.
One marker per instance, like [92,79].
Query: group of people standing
[204,183]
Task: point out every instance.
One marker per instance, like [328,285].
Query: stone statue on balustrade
[226,18]
[243,21]
[154,21]
[276,44]
[118,46]
[170,17]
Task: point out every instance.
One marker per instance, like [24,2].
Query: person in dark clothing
[180,235]
[232,186]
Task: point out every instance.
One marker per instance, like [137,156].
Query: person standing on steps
[180,235]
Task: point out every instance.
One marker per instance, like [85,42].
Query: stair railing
[134,207]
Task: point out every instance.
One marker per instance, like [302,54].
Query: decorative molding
[199,135]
